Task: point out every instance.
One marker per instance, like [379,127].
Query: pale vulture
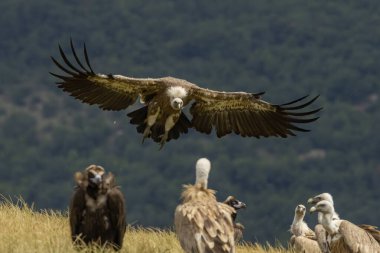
[343,236]
[201,223]
[303,239]
[321,232]
[161,118]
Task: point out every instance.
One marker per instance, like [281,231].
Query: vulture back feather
[203,224]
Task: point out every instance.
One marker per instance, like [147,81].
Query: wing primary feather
[279,125]
[76,57]
[64,78]
[68,62]
[300,106]
[86,57]
[274,127]
[302,113]
[293,127]
[296,120]
[63,68]
[263,128]
[295,101]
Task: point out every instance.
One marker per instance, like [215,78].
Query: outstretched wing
[109,92]
[247,115]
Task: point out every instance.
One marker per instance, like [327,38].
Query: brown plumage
[237,205]
[302,244]
[373,230]
[97,209]
[353,239]
[162,118]
[201,223]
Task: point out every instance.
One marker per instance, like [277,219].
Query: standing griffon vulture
[202,224]
[97,210]
[343,236]
[303,239]
[237,205]
[162,118]
[321,232]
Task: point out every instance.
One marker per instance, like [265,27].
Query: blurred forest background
[287,48]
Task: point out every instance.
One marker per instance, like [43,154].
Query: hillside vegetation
[288,48]
[25,230]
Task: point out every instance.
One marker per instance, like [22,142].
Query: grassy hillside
[24,230]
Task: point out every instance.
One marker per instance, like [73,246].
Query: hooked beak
[97,179]
[177,104]
[310,201]
[313,209]
[240,205]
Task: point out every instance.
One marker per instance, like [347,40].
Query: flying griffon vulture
[161,118]
[343,236]
[303,239]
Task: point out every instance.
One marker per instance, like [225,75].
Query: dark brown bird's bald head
[235,203]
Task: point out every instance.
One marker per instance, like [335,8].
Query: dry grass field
[25,230]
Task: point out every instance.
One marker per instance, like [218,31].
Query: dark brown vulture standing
[238,227]
[164,98]
[97,211]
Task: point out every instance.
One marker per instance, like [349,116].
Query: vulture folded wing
[109,92]
[357,239]
[247,115]
[208,226]
[321,235]
[77,207]
[115,203]
[310,234]
[372,230]
[302,244]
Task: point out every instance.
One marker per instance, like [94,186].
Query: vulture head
[323,206]
[176,95]
[300,210]
[202,169]
[323,196]
[92,176]
[235,203]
